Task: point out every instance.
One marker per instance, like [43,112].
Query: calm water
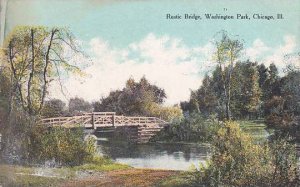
[172,156]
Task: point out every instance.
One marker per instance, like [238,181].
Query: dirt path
[129,177]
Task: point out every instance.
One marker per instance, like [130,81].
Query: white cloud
[165,61]
[262,53]
[257,49]
[278,55]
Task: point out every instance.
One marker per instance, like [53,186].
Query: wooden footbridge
[138,129]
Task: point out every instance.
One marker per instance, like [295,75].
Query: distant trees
[54,108]
[244,93]
[282,110]
[167,113]
[132,99]
[256,91]
[209,100]
[138,99]
[79,105]
[57,107]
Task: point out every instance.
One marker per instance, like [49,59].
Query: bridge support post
[113,120]
[93,120]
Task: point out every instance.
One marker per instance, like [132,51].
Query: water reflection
[174,156]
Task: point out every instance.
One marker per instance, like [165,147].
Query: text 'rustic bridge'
[139,129]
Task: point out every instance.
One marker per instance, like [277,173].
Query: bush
[191,128]
[64,146]
[166,113]
[238,161]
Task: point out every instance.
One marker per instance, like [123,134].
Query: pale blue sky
[123,22]
[134,38]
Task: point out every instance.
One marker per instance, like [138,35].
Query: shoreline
[27,176]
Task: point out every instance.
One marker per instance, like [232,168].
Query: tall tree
[35,57]
[252,89]
[4,97]
[206,97]
[271,86]
[263,74]
[227,53]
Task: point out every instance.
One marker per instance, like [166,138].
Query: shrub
[169,114]
[191,128]
[238,161]
[64,146]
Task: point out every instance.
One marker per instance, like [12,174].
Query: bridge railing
[66,121]
[131,120]
[100,119]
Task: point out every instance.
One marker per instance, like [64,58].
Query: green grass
[101,164]
[184,179]
[11,175]
[256,128]
[105,167]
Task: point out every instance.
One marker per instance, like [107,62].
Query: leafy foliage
[35,56]
[64,146]
[245,100]
[238,161]
[32,57]
[191,128]
[4,99]
[228,52]
[167,113]
[282,111]
[78,105]
[138,99]
[54,108]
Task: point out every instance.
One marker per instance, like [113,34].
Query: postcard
[149,93]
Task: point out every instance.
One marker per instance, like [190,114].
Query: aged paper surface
[134,92]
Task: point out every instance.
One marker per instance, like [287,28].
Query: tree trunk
[29,103]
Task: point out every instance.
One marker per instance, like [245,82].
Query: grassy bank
[12,175]
[86,175]
[256,128]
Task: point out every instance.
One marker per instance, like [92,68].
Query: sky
[133,38]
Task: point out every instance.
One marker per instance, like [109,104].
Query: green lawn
[12,175]
[256,128]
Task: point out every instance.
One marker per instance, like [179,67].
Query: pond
[171,156]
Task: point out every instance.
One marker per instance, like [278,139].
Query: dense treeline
[135,99]
[58,108]
[247,91]
[257,92]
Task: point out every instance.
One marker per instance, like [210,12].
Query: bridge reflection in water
[138,129]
